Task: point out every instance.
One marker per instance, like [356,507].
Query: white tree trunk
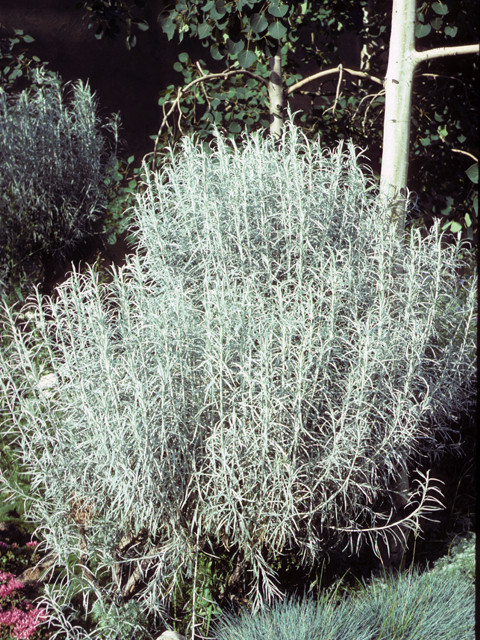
[276,94]
[402,61]
[398,109]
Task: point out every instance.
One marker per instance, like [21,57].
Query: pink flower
[32,544]
[24,622]
[4,545]
[12,585]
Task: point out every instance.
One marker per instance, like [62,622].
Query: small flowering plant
[18,617]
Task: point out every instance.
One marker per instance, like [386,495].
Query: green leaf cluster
[106,14]
[16,64]
[239,30]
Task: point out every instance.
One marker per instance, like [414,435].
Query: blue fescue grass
[410,606]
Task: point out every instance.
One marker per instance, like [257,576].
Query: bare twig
[184,90]
[465,153]
[375,96]
[337,95]
[322,74]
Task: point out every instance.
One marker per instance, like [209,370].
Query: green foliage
[460,561]
[119,622]
[104,14]
[123,185]
[16,65]
[198,594]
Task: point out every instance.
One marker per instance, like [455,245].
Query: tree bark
[276,94]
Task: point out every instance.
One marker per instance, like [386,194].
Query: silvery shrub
[54,159]
[258,375]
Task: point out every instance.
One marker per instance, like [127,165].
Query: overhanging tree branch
[430,54]
[275,98]
[183,90]
[326,72]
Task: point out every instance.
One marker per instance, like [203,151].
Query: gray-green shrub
[53,163]
[258,374]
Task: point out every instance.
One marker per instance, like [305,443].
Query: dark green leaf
[247,58]
[167,24]
[451,31]
[204,30]
[29,39]
[472,172]
[218,11]
[242,3]
[208,6]
[258,23]
[216,55]
[178,67]
[468,220]
[436,23]
[422,30]
[143,26]
[183,57]
[440,8]
[234,127]
[235,47]
[277,30]
[277,11]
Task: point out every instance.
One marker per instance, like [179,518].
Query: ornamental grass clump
[410,606]
[256,378]
[54,159]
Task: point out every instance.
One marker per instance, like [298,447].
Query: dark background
[123,80]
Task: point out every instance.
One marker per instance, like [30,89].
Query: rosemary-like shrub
[53,164]
[257,375]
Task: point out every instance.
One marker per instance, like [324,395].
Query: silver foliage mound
[258,374]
